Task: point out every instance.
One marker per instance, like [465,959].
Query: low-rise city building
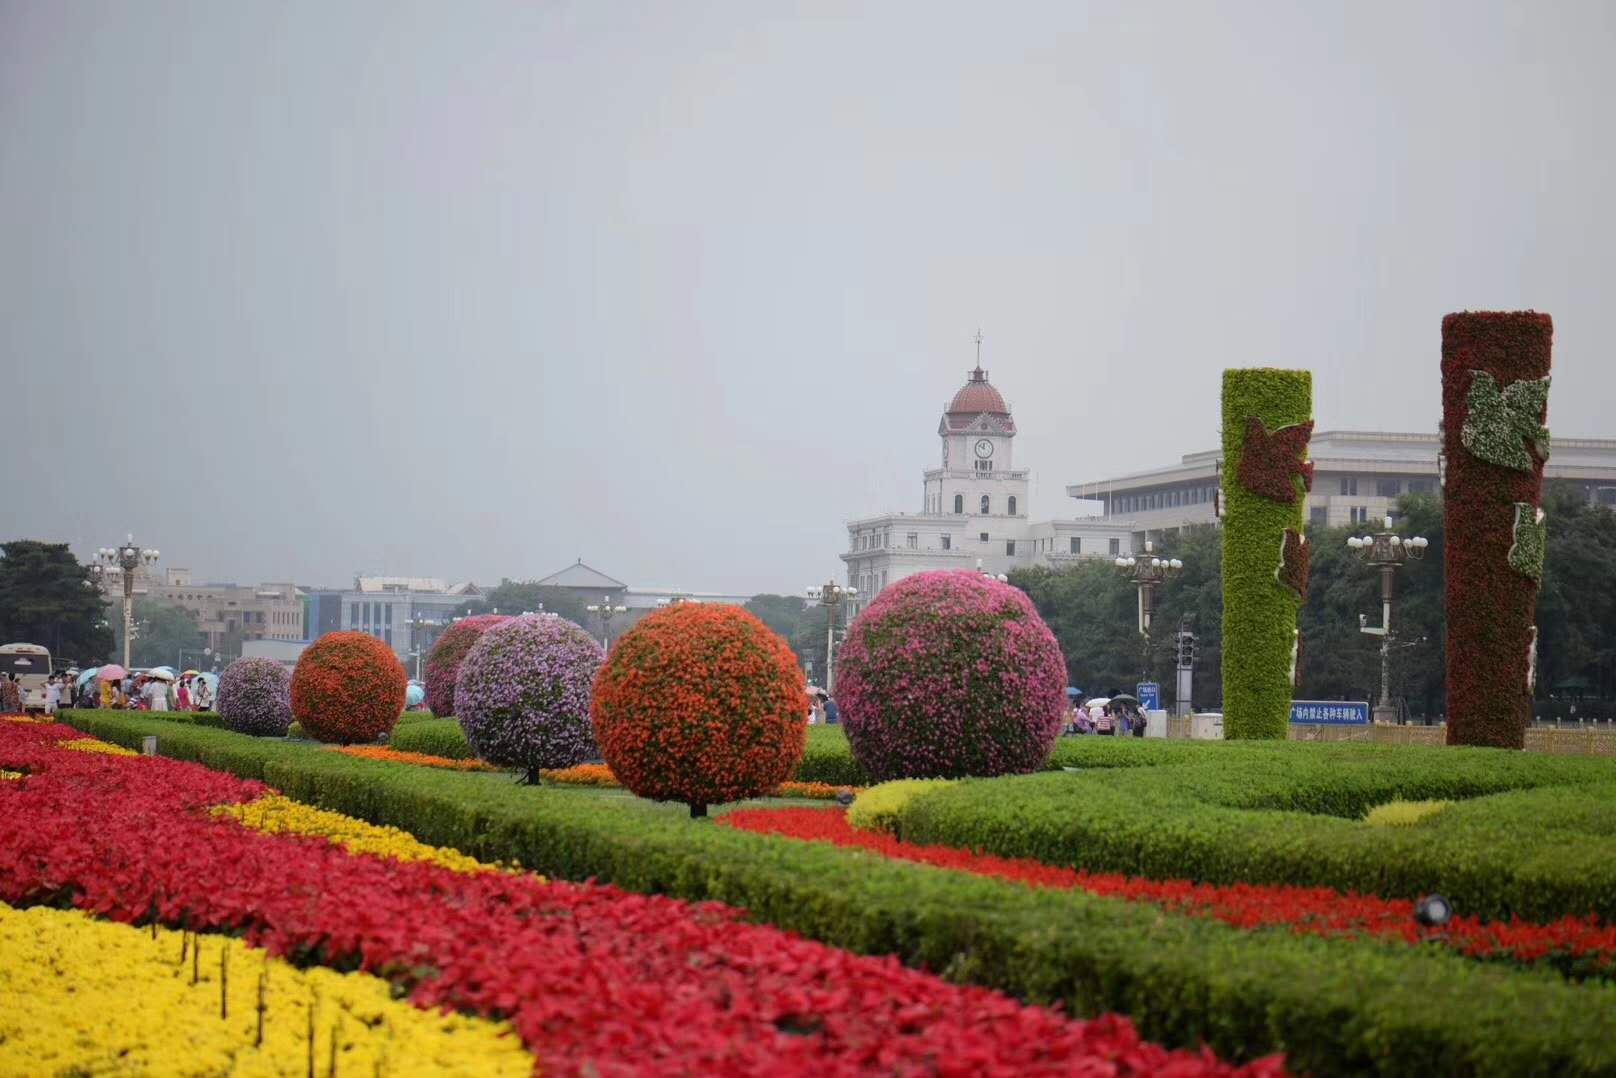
[271,611]
[591,587]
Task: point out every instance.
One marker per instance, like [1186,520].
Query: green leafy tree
[1576,607]
[1093,613]
[48,598]
[782,613]
[161,632]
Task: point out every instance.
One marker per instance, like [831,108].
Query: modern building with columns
[1358,476]
[974,509]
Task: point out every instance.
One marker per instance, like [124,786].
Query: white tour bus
[32,665]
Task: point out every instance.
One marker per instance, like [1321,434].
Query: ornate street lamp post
[1385,550]
[123,560]
[1147,573]
[606,611]
[830,595]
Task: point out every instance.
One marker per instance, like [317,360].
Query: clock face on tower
[984,448]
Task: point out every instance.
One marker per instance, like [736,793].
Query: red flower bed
[1490,607]
[592,978]
[1579,946]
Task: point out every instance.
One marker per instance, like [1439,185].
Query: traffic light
[1186,649]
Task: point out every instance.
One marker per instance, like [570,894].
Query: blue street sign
[1149,694]
[1330,712]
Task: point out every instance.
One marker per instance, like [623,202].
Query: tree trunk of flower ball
[697,810]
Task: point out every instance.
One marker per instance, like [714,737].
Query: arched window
[959,503]
[1012,505]
[984,505]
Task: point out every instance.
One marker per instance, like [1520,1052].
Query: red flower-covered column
[1495,386]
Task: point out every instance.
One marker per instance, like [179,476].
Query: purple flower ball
[255,697]
[522,696]
[949,674]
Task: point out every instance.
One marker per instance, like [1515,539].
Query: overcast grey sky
[474,289]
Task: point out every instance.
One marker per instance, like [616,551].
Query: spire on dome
[976,397]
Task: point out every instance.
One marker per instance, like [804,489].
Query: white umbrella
[161,673]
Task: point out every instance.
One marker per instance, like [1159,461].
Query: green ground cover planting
[1334,1006]
[1528,835]
[435,737]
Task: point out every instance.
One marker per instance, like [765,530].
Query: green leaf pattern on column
[1501,424]
[1531,538]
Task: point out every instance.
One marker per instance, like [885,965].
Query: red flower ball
[702,704]
[443,662]
[347,688]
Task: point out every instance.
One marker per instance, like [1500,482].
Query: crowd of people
[138,692]
[1115,716]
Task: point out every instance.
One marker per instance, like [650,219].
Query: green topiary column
[1267,422]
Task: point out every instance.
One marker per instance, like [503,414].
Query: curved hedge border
[1266,426]
[1335,1007]
[1528,836]
[1495,368]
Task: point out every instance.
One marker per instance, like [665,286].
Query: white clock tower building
[974,511]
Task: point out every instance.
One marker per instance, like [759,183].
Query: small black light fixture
[1433,911]
[844,797]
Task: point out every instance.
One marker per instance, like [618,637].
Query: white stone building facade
[1358,476]
[974,509]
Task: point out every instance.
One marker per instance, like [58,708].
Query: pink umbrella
[111,672]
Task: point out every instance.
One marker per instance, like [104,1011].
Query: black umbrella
[1125,698]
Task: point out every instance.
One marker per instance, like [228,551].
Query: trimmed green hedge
[1531,835]
[1333,1006]
[827,757]
[210,719]
[435,737]
[1259,613]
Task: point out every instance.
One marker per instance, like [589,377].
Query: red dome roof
[976,396]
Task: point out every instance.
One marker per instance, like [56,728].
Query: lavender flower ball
[255,697]
[522,696]
[949,674]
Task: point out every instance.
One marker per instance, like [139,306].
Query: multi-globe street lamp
[1385,550]
[990,574]
[1147,573]
[123,560]
[606,611]
[831,595]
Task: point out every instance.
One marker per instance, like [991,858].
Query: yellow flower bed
[1403,813]
[90,744]
[95,997]
[877,808]
[10,774]
[19,718]
[277,815]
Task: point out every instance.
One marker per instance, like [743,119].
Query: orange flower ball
[702,704]
[347,688]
